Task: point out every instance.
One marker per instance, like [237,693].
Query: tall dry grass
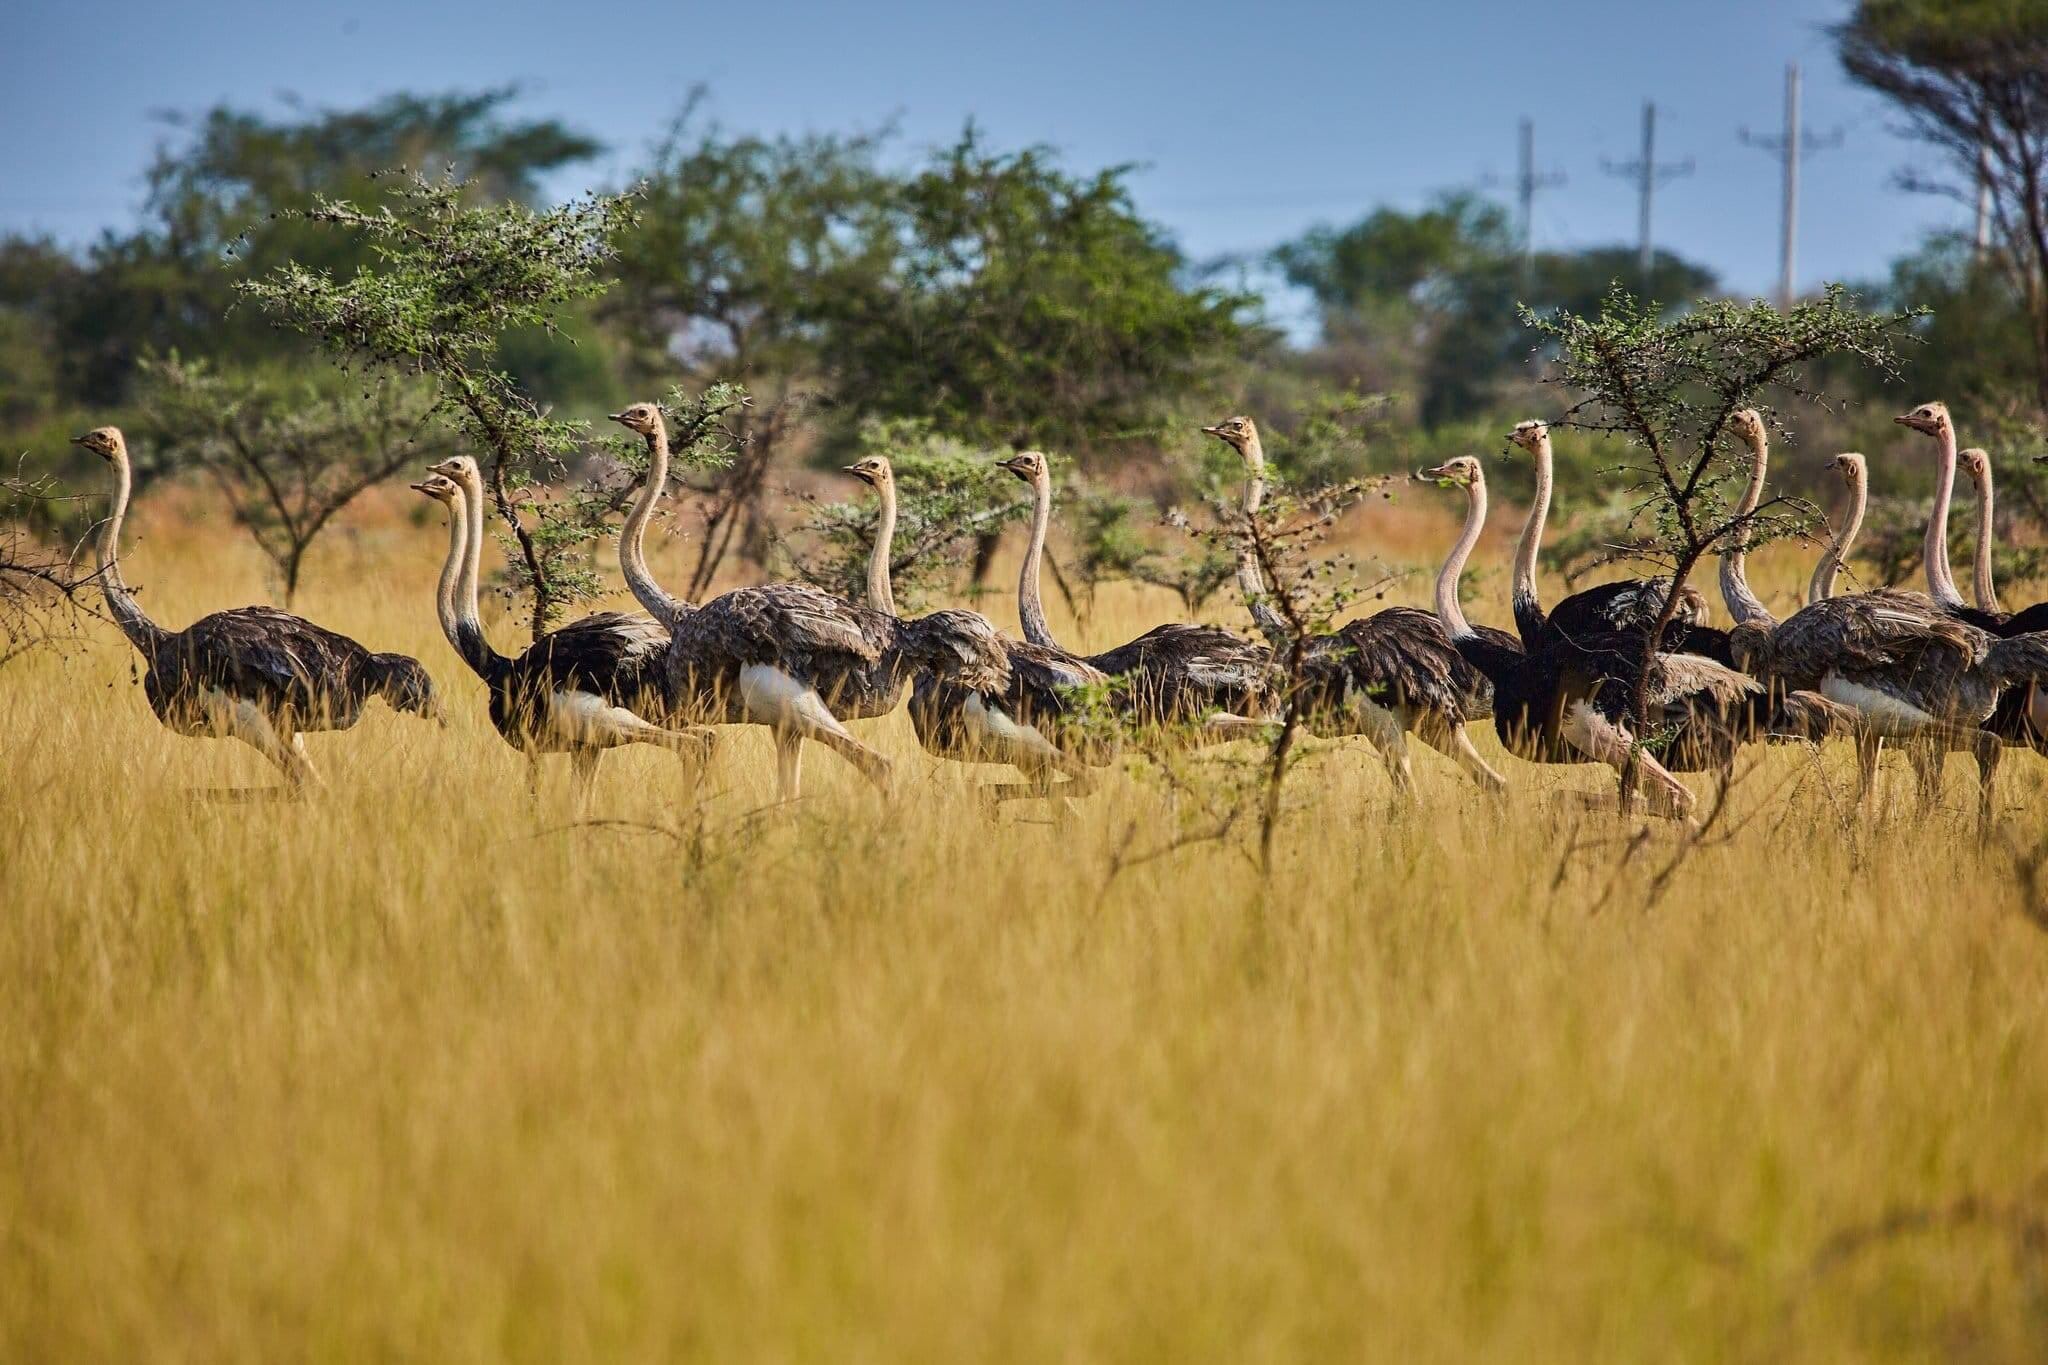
[418,1070]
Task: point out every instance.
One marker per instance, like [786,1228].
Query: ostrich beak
[78,440]
[1216,431]
[618,417]
[421,487]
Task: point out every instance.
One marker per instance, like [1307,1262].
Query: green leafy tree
[1425,302]
[726,273]
[287,451]
[231,189]
[1667,388]
[1971,77]
[451,278]
[1023,305]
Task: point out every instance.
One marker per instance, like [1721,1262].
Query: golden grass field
[418,1071]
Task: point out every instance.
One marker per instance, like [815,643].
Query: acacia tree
[449,279]
[287,452]
[1667,390]
[41,583]
[1971,77]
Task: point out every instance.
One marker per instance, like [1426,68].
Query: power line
[1788,147]
[1647,174]
[1527,182]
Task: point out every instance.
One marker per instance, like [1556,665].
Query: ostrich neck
[1030,606]
[1251,585]
[1447,609]
[451,572]
[142,632]
[881,596]
[1528,606]
[1941,584]
[1743,604]
[470,641]
[1986,591]
[1823,585]
[633,538]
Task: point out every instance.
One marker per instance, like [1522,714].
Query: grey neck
[1030,607]
[1447,609]
[1941,584]
[451,571]
[1742,603]
[1822,586]
[659,604]
[142,632]
[1251,584]
[881,595]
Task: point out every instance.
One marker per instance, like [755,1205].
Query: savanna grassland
[420,1070]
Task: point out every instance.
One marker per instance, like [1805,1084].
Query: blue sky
[1252,121]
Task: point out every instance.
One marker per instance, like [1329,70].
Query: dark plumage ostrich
[1173,674]
[579,690]
[263,676]
[1607,608]
[786,655]
[1571,699]
[1025,717]
[1385,676]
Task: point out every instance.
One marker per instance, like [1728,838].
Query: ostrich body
[784,655]
[1176,673]
[1629,604]
[579,690]
[1020,714]
[1385,676]
[1570,699]
[263,676]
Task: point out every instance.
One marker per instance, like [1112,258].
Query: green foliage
[1027,306]
[288,450]
[450,279]
[1426,302]
[1971,78]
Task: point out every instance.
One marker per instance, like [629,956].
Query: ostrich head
[404,684]
[1748,426]
[1463,472]
[644,418]
[1235,432]
[1930,418]
[1976,462]
[1529,435]
[873,471]
[105,442]
[1850,466]
[439,487]
[461,468]
[1028,465]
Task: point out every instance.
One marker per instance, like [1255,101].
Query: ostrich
[2022,714]
[578,690]
[263,676]
[1626,604]
[1569,699]
[1910,669]
[1856,476]
[1393,673]
[785,655]
[1175,673]
[1025,718]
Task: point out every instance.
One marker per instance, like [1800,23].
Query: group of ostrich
[1929,671]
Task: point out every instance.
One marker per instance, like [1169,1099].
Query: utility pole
[1788,147]
[1527,182]
[1648,175]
